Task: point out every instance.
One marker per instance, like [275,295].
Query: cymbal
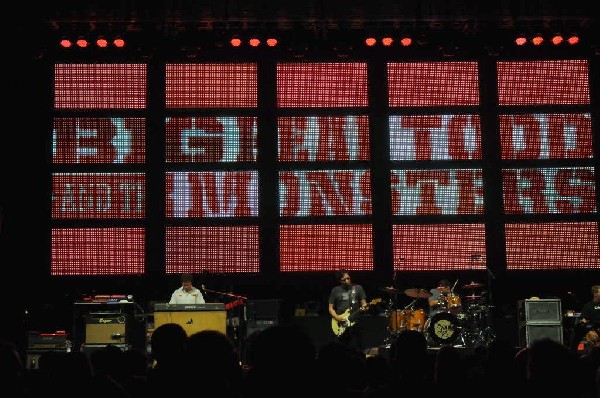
[389,290]
[473,285]
[417,293]
[472,297]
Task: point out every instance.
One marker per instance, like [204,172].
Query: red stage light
[101,42]
[254,42]
[235,42]
[272,42]
[574,39]
[119,42]
[66,43]
[537,40]
[521,41]
[406,41]
[387,41]
[370,41]
[81,42]
[557,39]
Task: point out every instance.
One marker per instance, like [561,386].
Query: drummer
[438,301]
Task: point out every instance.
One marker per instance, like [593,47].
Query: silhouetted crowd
[283,361]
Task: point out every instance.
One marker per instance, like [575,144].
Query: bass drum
[442,328]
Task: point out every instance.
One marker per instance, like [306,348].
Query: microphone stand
[238,300]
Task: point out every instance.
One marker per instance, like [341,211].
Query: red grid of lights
[211,139]
[98,195]
[98,251]
[99,140]
[326,247]
[414,84]
[558,82]
[214,249]
[211,85]
[323,138]
[318,85]
[439,247]
[546,136]
[100,86]
[552,246]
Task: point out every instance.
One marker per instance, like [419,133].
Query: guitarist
[345,302]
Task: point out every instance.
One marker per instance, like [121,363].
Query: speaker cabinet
[532,332]
[109,329]
[263,309]
[539,311]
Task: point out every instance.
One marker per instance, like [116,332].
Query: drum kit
[452,320]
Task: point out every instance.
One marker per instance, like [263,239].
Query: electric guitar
[339,327]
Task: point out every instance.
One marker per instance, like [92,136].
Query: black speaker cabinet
[108,329]
[539,311]
[529,333]
[263,309]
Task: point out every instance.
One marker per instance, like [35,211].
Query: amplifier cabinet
[193,321]
[106,329]
[529,333]
[539,311]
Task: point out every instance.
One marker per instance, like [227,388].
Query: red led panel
[437,192]
[321,85]
[435,137]
[558,82]
[98,251]
[100,86]
[211,139]
[323,138]
[211,85]
[546,136]
[99,140]
[214,249]
[552,246]
[98,195]
[552,190]
[212,194]
[326,247]
[432,83]
[324,193]
[439,247]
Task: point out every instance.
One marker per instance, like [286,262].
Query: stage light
[254,42]
[370,41]
[235,42]
[557,39]
[521,40]
[66,43]
[82,42]
[537,40]
[387,41]
[272,42]
[119,42]
[406,41]
[573,39]
[101,42]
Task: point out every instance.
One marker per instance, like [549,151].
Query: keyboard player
[187,293]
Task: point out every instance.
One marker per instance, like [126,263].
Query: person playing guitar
[346,302]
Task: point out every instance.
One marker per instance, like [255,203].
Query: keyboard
[158,307]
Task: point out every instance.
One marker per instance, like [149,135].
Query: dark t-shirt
[342,298]
[591,312]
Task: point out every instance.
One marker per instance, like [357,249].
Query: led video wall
[229,157]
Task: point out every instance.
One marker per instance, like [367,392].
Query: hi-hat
[417,293]
[472,297]
[389,290]
[473,285]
